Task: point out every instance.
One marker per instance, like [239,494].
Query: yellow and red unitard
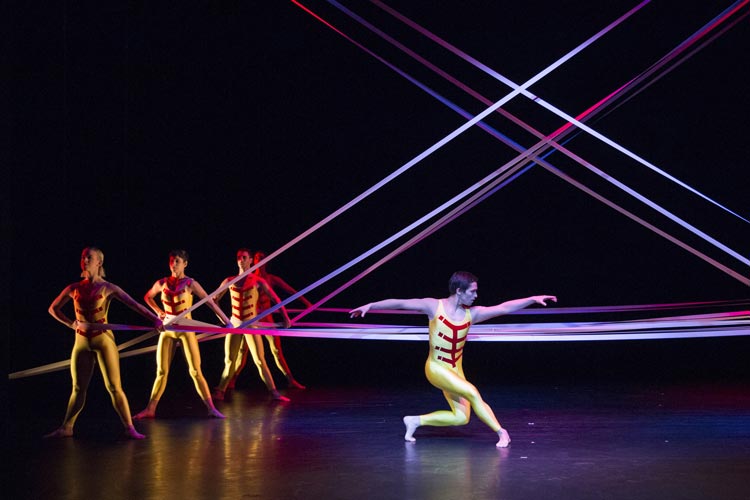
[176,294]
[447,339]
[444,369]
[263,303]
[91,306]
[244,297]
[94,346]
[244,300]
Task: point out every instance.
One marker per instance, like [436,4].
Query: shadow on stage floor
[570,441]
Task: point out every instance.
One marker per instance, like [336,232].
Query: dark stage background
[140,128]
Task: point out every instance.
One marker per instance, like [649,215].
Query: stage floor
[572,441]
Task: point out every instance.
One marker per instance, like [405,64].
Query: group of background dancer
[91,299]
[449,322]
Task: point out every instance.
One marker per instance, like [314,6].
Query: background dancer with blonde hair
[91,299]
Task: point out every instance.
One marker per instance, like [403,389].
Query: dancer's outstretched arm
[481,313]
[427,306]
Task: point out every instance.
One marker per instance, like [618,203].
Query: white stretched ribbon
[696,326]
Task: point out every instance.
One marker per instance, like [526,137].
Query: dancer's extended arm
[481,313]
[427,306]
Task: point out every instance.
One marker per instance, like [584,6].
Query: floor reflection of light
[452,470]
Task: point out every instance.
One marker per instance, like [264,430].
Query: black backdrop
[140,128]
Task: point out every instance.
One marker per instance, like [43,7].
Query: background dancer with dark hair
[176,293]
[276,283]
[244,294]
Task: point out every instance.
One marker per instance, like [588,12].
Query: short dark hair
[180,253]
[460,279]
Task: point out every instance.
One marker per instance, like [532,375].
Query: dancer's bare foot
[144,414]
[131,433]
[214,413]
[62,432]
[411,424]
[293,384]
[504,438]
[276,396]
